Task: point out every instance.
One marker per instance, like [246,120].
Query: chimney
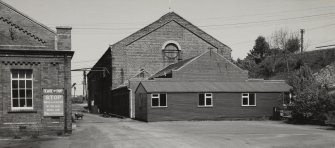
[63,38]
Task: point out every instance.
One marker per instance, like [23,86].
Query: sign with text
[53,102]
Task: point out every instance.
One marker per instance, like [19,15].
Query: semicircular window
[171,51]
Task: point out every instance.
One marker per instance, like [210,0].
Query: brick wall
[146,53]
[48,72]
[27,44]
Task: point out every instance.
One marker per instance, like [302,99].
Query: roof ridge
[165,19]
[26,16]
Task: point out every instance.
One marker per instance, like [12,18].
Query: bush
[312,101]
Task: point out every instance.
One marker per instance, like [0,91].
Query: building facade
[166,41]
[35,76]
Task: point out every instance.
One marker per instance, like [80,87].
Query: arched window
[171,50]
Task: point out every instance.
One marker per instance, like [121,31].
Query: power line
[217,25]
[219,17]
[260,14]
[263,21]
[319,27]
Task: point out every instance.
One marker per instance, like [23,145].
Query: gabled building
[35,75]
[166,41]
[206,87]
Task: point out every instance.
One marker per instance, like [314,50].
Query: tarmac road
[95,131]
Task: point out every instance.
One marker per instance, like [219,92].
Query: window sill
[158,106]
[22,111]
[205,106]
[248,105]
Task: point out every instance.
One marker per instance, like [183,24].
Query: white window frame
[247,96]
[25,88]
[159,100]
[205,101]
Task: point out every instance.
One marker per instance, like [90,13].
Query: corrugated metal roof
[162,86]
[171,67]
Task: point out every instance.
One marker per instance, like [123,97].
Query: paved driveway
[98,132]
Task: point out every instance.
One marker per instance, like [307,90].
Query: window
[205,99]
[158,100]
[171,50]
[248,99]
[22,89]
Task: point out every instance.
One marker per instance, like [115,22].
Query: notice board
[53,102]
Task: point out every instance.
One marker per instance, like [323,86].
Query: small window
[158,100]
[205,99]
[248,99]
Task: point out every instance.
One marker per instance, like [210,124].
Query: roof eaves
[26,16]
[139,86]
[202,32]
[165,19]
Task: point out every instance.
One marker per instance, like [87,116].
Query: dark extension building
[166,41]
[35,76]
[206,87]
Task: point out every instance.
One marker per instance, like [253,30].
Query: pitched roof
[183,63]
[26,16]
[165,86]
[175,66]
[171,16]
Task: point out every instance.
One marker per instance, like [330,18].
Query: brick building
[166,41]
[35,76]
[206,87]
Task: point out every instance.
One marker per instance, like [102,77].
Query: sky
[236,23]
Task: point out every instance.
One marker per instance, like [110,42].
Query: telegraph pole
[84,85]
[302,40]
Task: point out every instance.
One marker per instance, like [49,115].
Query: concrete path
[95,131]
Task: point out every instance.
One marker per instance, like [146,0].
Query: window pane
[29,102]
[15,102]
[28,84]
[21,73]
[29,93]
[208,95]
[22,102]
[162,100]
[21,84]
[245,101]
[244,94]
[15,93]
[154,101]
[14,74]
[22,93]
[208,101]
[29,73]
[15,84]
[201,99]
[252,99]
[155,95]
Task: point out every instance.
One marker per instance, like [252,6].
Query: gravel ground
[95,131]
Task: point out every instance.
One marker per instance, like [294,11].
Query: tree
[249,65]
[287,42]
[292,45]
[260,49]
[311,101]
